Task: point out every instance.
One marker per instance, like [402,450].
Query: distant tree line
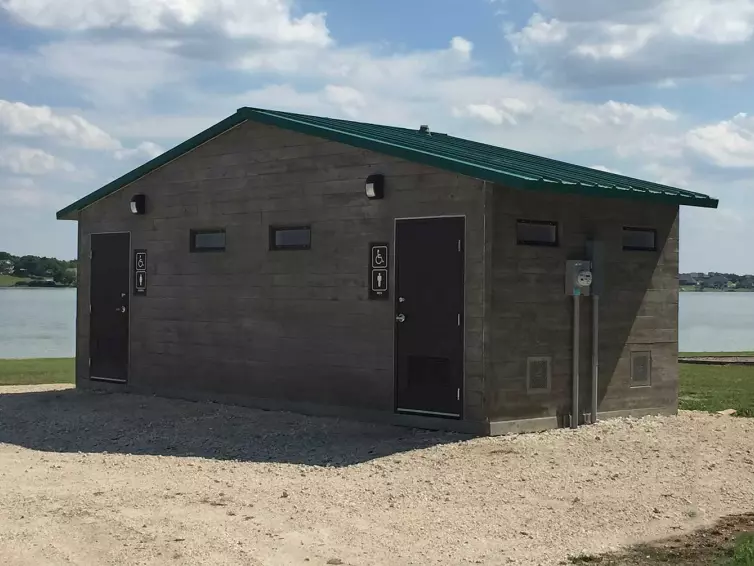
[38,269]
[717,280]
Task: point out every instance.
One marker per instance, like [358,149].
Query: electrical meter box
[578,277]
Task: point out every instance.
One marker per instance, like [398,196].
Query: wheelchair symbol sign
[141,261]
[379,257]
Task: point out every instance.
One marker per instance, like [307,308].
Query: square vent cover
[641,369]
[538,373]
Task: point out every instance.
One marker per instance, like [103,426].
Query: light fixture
[375,187]
[139,204]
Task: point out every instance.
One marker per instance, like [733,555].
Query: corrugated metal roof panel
[508,167]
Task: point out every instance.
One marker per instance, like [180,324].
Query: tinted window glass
[207,240]
[639,239]
[536,233]
[299,238]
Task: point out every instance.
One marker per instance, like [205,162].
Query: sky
[655,89]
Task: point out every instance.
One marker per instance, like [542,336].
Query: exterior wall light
[139,204]
[375,187]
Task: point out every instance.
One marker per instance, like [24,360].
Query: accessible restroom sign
[140,272]
[379,275]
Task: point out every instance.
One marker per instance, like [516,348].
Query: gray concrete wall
[289,325]
[530,315]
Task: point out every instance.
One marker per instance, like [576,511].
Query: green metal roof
[507,167]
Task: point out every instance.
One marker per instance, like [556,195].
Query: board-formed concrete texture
[295,329]
[289,326]
[530,315]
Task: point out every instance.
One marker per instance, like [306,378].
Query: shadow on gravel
[79,421]
[730,542]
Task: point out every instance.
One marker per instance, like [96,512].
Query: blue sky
[657,89]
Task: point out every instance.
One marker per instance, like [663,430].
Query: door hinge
[458,396]
[459,245]
[91,254]
[90,309]
[459,319]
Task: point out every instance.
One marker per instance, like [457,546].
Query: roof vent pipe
[424,129]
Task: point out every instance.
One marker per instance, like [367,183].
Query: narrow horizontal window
[290,237]
[641,239]
[207,240]
[536,233]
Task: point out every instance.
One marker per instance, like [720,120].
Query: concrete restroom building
[332,267]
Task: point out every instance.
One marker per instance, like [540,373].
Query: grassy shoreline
[702,387]
[36,371]
[714,354]
[10,280]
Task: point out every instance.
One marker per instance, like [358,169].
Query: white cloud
[263,20]
[623,41]
[145,150]
[347,98]
[23,192]
[673,174]
[19,119]
[361,64]
[605,169]
[485,112]
[729,143]
[655,144]
[113,73]
[21,160]
[506,110]
[462,46]
[621,114]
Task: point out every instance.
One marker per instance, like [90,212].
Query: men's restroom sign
[140,272]
[379,280]
[379,275]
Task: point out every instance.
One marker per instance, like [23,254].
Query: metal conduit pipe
[575,393]
[595,355]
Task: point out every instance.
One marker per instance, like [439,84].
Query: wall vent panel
[641,369]
[538,374]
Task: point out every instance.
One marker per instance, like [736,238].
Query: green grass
[716,388]
[9,280]
[743,553]
[702,387]
[36,371]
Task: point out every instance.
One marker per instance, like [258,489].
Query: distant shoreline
[38,287]
[682,290]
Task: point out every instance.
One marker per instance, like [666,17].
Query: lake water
[40,323]
[37,323]
[716,322]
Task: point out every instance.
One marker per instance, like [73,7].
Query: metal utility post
[575,394]
[578,282]
[596,252]
[595,355]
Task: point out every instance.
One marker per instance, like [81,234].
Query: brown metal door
[429,335]
[109,299]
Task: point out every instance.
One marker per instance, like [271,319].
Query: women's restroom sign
[140,272]
[379,258]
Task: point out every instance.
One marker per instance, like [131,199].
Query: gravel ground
[117,479]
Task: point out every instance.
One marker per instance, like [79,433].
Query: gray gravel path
[119,479]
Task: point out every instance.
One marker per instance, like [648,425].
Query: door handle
[401,318]
[120,309]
